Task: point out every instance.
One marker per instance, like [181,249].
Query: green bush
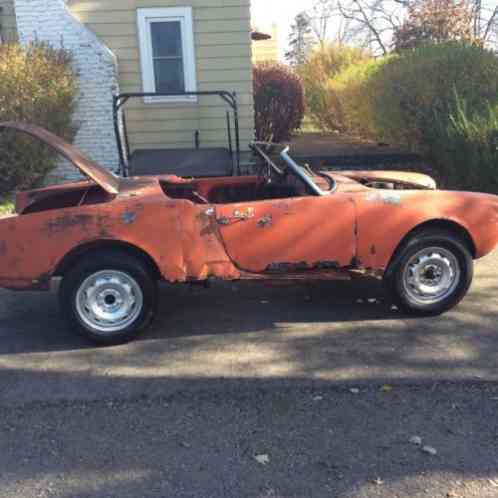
[467,151]
[37,86]
[414,93]
[6,207]
[408,99]
[278,101]
[318,73]
[356,90]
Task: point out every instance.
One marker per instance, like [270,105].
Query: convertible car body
[285,223]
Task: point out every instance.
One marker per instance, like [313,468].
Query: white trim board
[174,14]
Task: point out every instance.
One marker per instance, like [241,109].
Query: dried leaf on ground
[262,459]
[416,440]
[429,450]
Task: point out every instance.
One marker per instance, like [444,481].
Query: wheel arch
[73,256]
[443,224]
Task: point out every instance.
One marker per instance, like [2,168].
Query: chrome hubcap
[109,301]
[431,275]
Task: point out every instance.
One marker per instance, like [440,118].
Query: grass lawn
[6,206]
[308,126]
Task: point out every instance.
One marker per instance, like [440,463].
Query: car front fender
[386,218]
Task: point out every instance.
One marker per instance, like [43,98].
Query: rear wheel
[431,273]
[109,297]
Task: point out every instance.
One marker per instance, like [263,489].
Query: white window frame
[145,18]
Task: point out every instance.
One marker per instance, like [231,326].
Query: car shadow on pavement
[30,322]
[335,330]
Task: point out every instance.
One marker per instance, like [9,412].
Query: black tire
[427,239]
[119,264]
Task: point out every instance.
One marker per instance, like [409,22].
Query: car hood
[404,178]
[98,174]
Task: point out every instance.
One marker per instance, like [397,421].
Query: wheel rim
[109,301]
[431,275]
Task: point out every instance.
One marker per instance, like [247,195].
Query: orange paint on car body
[229,228]
[385,219]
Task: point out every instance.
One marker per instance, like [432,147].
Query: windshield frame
[293,167]
[299,172]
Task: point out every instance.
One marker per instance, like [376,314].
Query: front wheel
[431,273]
[109,297]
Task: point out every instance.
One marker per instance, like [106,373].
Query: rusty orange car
[112,239]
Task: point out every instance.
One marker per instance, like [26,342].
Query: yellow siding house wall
[7,20]
[222,37]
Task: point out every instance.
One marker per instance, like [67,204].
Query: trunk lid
[103,177]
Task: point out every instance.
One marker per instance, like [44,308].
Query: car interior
[272,181]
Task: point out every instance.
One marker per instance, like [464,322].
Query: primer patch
[384,197]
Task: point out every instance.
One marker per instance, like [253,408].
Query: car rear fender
[93,248]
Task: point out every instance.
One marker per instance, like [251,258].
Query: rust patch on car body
[302,266]
[265,221]
[67,222]
[287,267]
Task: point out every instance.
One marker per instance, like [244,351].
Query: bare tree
[485,22]
[320,18]
[300,40]
[374,22]
[435,21]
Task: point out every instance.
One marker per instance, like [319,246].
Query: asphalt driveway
[247,390]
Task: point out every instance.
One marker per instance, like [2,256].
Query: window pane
[166,39]
[169,75]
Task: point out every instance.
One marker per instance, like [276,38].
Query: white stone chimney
[96,69]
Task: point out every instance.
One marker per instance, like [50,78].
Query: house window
[167,52]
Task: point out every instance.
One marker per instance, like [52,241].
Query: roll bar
[121,132]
